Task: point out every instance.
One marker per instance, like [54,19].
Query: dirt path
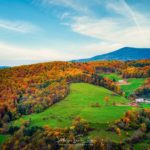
[124,82]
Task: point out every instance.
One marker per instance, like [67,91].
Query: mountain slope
[126,53]
[3,67]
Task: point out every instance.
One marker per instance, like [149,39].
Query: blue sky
[34,31]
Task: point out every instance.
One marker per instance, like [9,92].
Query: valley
[78,101]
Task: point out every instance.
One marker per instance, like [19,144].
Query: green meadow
[111,76]
[79,103]
[3,138]
[134,83]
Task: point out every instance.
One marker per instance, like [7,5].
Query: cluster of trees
[136,69]
[5,116]
[139,63]
[108,66]
[46,137]
[80,126]
[43,98]
[137,121]
[136,72]
[142,92]
[57,139]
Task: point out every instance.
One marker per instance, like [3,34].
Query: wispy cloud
[10,51]
[91,27]
[95,48]
[129,28]
[112,30]
[64,15]
[72,4]
[127,12]
[119,25]
[18,26]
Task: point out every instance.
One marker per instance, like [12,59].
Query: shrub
[95,105]
[13,129]
[81,126]
[38,108]
[31,131]
[118,131]
[23,109]
[1,124]
[6,118]
[136,137]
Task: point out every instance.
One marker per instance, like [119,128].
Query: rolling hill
[53,100]
[125,53]
[79,102]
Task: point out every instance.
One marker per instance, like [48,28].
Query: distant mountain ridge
[3,67]
[125,53]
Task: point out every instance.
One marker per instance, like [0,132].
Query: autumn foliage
[33,88]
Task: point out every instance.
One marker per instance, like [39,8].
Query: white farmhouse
[147,101]
[139,100]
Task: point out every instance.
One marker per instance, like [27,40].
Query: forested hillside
[34,88]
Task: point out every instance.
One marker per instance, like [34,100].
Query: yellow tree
[106,99]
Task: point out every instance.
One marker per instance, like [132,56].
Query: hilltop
[125,53]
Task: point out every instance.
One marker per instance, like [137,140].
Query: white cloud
[64,15]
[123,25]
[99,48]
[18,26]
[130,28]
[12,52]
[128,13]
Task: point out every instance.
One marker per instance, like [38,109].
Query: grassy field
[78,103]
[144,145]
[134,83]
[3,138]
[111,76]
[144,105]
